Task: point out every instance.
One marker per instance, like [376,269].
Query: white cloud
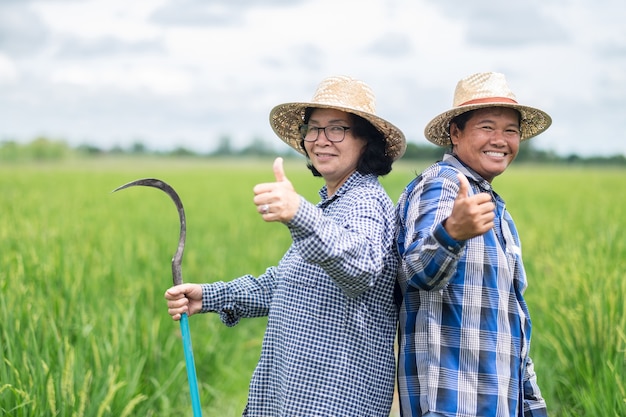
[92,19]
[8,70]
[186,72]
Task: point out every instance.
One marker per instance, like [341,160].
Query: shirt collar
[355,178]
[455,161]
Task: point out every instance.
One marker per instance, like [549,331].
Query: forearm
[429,255]
[429,263]
[243,297]
[352,252]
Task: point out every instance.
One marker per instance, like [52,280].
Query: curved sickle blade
[177,277]
[177,273]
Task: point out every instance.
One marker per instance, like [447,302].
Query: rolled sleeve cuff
[447,242]
[215,300]
[304,220]
[213,297]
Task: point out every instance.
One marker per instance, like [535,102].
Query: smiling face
[336,161]
[489,141]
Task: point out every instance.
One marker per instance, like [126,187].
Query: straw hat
[487,89]
[341,93]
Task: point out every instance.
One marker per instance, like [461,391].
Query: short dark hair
[374,159]
[461,120]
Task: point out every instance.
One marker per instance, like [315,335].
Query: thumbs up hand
[472,215]
[279,171]
[277,201]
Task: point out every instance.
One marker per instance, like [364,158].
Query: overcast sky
[172,73]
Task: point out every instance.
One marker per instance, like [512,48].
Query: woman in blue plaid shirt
[328,349]
[464,327]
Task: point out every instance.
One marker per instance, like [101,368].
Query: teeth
[494,153]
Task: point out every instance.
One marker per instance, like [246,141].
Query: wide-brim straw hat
[340,93]
[486,89]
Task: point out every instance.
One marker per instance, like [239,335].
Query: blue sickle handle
[191,367]
[177,278]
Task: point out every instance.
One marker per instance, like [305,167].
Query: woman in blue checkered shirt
[328,349]
[464,329]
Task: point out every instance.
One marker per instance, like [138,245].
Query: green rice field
[84,329]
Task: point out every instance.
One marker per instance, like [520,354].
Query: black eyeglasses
[334,133]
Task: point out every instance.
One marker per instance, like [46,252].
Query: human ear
[454,133]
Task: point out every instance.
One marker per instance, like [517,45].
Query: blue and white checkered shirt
[464,327]
[328,349]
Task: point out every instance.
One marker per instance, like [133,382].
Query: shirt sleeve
[430,256]
[246,296]
[534,404]
[350,248]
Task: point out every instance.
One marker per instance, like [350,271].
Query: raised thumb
[464,186]
[279,172]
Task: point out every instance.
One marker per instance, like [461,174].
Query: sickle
[177,278]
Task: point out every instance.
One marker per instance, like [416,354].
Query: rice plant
[84,325]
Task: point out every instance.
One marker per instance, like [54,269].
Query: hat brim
[287,118]
[533,121]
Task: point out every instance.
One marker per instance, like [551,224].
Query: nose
[499,137]
[321,132]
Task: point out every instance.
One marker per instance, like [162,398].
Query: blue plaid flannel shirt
[464,331]
[328,349]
